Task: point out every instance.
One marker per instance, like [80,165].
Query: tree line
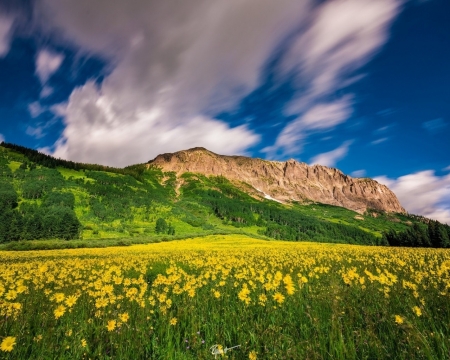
[51,162]
[432,234]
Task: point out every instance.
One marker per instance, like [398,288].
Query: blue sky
[360,85]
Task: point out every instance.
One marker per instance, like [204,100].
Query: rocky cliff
[285,181]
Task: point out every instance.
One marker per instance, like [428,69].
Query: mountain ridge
[285,181]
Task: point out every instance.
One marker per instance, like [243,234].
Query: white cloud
[46,91]
[6,24]
[383,129]
[359,173]
[59,109]
[447,168]
[341,36]
[36,132]
[96,132]
[2,138]
[35,109]
[422,193]
[175,64]
[434,125]
[330,158]
[379,141]
[47,63]
[321,116]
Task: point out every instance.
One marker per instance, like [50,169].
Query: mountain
[285,181]
[195,193]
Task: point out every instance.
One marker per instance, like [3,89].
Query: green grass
[105,242]
[67,173]
[14,165]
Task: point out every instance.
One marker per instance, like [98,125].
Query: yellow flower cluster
[158,278]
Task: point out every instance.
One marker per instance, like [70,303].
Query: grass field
[175,300]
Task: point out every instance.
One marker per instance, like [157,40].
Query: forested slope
[44,198]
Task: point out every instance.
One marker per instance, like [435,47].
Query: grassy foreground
[175,300]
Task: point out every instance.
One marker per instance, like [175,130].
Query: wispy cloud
[47,63]
[35,109]
[340,37]
[422,193]
[386,112]
[330,158]
[2,138]
[46,91]
[359,173]
[59,110]
[379,141]
[36,132]
[6,24]
[446,168]
[434,125]
[384,129]
[321,116]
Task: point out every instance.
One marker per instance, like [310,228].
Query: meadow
[176,300]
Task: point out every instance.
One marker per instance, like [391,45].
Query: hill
[44,198]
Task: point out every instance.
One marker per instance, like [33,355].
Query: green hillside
[47,198]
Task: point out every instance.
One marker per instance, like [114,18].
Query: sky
[360,85]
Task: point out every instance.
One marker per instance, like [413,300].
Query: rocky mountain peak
[285,181]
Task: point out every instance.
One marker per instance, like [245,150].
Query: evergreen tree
[161,226]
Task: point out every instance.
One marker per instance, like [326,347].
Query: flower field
[177,300]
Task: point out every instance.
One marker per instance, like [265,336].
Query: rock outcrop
[285,181]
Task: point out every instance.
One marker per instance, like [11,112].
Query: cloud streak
[319,117]
[330,158]
[6,24]
[434,125]
[422,193]
[342,36]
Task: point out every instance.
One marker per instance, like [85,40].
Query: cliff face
[285,181]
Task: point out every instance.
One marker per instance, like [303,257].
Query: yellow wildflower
[11,295]
[111,325]
[59,297]
[398,319]
[59,311]
[124,317]
[8,343]
[279,298]
[262,299]
[417,311]
[253,355]
[71,300]
[173,321]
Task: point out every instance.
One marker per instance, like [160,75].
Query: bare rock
[285,181]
